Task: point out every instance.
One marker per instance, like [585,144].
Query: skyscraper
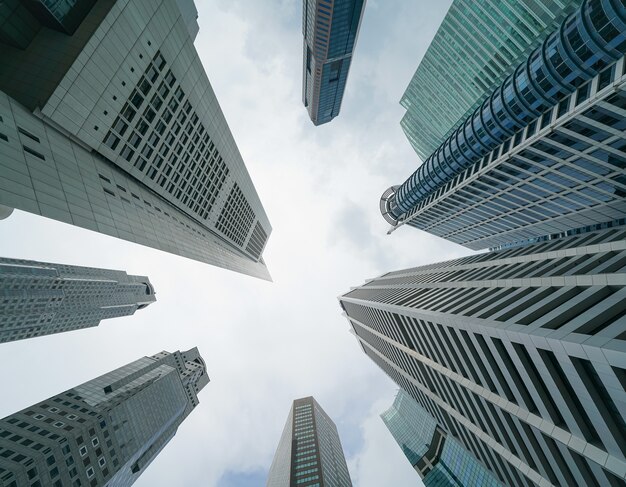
[330,29]
[105,431]
[309,453]
[518,353]
[544,154]
[476,47]
[39,298]
[112,125]
[439,458]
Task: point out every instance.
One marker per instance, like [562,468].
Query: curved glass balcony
[589,39]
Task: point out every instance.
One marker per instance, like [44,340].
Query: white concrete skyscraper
[105,431]
[108,122]
[519,354]
[39,298]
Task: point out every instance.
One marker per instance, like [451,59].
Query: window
[94,441]
[28,134]
[82,451]
[102,462]
[90,472]
[39,416]
[33,152]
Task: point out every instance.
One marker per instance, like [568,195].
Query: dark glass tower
[39,298]
[542,155]
[309,453]
[439,459]
[330,29]
[105,431]
[519,354]
[120,132]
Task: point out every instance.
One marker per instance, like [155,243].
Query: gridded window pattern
[543,179]
[536,85]
[236,217]
[309,452]
[39,298]
[257,241]
[504,361]
[83,438]
[160,134]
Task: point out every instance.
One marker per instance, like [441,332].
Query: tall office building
[105,431]
[518,353]
[476,47]
[543,155]
[309,453]
[330,29]
[110,123]
[439,458]
[39,298]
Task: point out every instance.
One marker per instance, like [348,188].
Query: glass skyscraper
[476,47]
[40,298]
[545,152]
[330,29]
[120,132]
[519,354]
[309,453]
[105,431]
[439,458]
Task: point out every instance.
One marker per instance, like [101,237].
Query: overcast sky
[265,344]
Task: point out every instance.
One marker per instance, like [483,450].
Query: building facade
[439,459]
[544,154]
[125,135]
[330,29]
[476,47]
[309,453]
[518,353]
[39,298]
[105,431]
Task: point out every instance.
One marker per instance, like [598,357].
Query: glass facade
[588,41]
[477,45]
[564,171]
[330,30]
[104,432]
[440,460]
[39,298]
[309,453]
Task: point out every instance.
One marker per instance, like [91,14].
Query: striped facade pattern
[520,354]
[589,40]
[564,170]
[309,453]
[477,45]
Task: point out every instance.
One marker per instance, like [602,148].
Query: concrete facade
[519,354]
[105,431]
[126,137]
[40,298]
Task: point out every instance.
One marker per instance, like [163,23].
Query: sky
[264,343]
